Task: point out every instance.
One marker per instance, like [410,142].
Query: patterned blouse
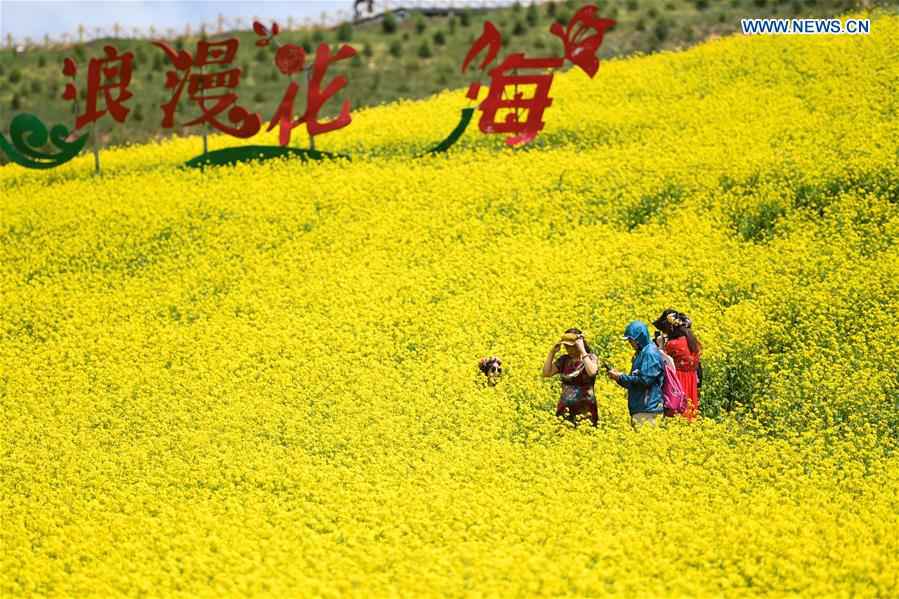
[577,385]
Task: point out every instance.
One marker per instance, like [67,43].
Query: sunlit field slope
[261,380]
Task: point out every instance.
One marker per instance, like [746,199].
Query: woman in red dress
[683,346]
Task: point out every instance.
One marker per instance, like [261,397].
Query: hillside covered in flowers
[261,380]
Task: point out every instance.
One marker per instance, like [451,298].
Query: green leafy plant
[388,23]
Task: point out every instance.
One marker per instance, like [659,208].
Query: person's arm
[616,375]
[667,360]
[642,377]
[549,366]
[591,364]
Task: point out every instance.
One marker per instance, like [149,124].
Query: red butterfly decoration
[582,38]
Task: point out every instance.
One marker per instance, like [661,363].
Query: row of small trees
[84,34]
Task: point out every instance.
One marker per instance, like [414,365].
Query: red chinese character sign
[515,103]
[212,92]
[501,111]
[507,109]
[291,59]
[107,82]
[111,76]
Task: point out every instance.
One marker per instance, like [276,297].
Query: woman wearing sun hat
[577,368]
[683,346]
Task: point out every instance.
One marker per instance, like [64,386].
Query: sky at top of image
[36,18]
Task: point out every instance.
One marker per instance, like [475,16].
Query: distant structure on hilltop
[402,9]
[369,8]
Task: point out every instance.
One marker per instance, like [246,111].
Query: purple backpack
[673,396]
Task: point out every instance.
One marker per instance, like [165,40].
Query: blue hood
[638,331]
[644,383]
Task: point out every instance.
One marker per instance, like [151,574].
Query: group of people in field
[673,345]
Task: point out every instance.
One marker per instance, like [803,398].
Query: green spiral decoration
[29,133]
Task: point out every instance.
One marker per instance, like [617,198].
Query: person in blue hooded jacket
[644,383]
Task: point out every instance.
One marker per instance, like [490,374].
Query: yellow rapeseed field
[261,380]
